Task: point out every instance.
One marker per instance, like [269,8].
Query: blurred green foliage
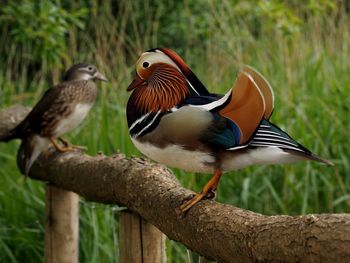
[41,27]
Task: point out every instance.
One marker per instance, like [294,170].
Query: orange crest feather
[166,87]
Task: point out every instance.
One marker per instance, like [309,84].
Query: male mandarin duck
[61,109]
[174,120]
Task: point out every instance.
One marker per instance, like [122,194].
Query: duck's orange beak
[137,82]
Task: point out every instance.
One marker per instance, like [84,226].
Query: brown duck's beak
[137,82]
[99,76]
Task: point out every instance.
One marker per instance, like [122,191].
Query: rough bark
[217,231]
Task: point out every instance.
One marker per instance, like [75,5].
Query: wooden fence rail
[217,231]
[139,241]
[61,225]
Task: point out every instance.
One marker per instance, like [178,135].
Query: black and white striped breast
[145,124]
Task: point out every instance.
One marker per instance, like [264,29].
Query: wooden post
[139,241]
[61,226]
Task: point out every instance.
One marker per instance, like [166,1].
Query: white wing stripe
[266,144]
[265,132]
[192,87]
[273,140]
[269,136]
[213,104]
[237,147]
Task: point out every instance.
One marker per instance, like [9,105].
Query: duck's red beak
[137,82]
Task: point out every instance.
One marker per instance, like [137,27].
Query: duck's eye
[145,64]
[90,68]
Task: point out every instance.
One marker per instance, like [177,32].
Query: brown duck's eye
[90,68]
[145,64]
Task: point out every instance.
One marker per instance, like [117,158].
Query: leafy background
[302,47]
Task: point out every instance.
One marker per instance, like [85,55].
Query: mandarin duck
[174,120]
[60,110]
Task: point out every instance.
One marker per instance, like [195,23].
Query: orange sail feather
[246,107]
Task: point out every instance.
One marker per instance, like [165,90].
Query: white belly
[177,157]
[195,161]
[264,155]
[73,120]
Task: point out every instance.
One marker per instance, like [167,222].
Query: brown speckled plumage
[56,104]
[69,95]
[60,110]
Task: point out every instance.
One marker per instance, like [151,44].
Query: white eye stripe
[156,57]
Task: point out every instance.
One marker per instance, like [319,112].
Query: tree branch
[217,231]
[11,117]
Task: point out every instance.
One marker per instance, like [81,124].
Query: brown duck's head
[162,81]
[83,71]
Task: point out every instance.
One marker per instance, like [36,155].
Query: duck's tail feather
[309,156]
[11,135]
[30,149]
[269,135]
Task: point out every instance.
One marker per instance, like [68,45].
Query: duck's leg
[208,190]
[69,144]
[60,148]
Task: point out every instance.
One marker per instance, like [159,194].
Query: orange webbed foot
[208,192]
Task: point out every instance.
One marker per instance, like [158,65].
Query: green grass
[310,76]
